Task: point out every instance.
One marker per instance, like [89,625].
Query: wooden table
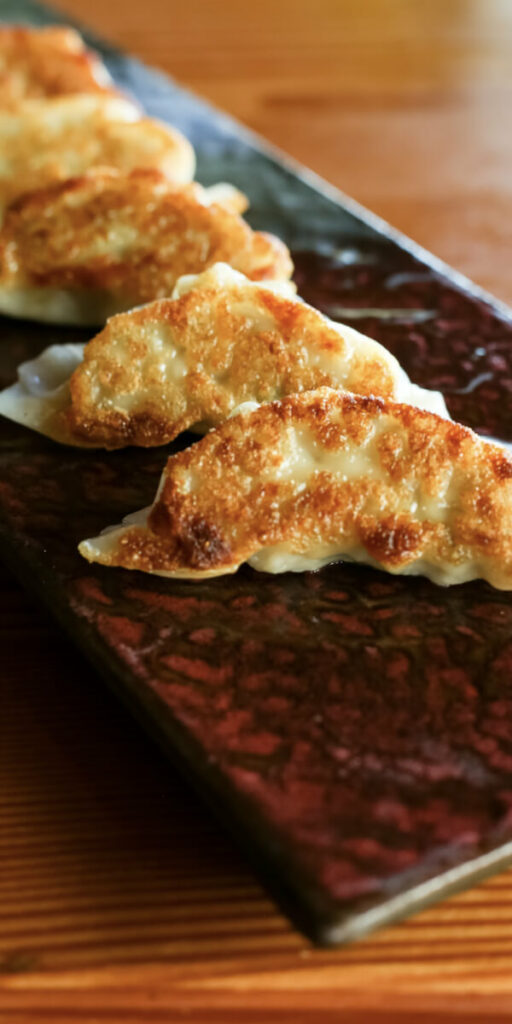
[121,900]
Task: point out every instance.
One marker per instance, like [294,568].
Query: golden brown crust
[129,234]
[48,141]
[444,498]
[156,371]
[46,62]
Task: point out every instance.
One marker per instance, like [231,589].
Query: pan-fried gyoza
[82,250]
[188,362]
[53,139]
[320,477]
[38,63]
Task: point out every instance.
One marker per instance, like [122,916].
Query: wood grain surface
[120,898]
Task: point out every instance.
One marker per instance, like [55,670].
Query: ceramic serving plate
[353,730]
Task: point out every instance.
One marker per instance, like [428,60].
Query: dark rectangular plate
[353,730]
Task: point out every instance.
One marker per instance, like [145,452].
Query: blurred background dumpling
[92,246]
[38,63]
[54,139]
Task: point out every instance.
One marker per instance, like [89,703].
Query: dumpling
[188,362]
[44,62]
[82,250]
[321,477]
[50,140]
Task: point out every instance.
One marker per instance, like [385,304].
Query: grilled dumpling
[44,62]
[50,140]
[189,361]
[82,250]
[321,477]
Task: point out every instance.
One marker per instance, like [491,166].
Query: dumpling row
[319,448]
[60,115]
[98,211]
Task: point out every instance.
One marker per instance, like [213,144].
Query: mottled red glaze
[358,726]
[456,345]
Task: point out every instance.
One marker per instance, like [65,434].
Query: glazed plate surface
[352,730]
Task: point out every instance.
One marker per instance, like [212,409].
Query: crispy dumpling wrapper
[53,139]
[37,63]
[321,477]
[83,250]
[188,362]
